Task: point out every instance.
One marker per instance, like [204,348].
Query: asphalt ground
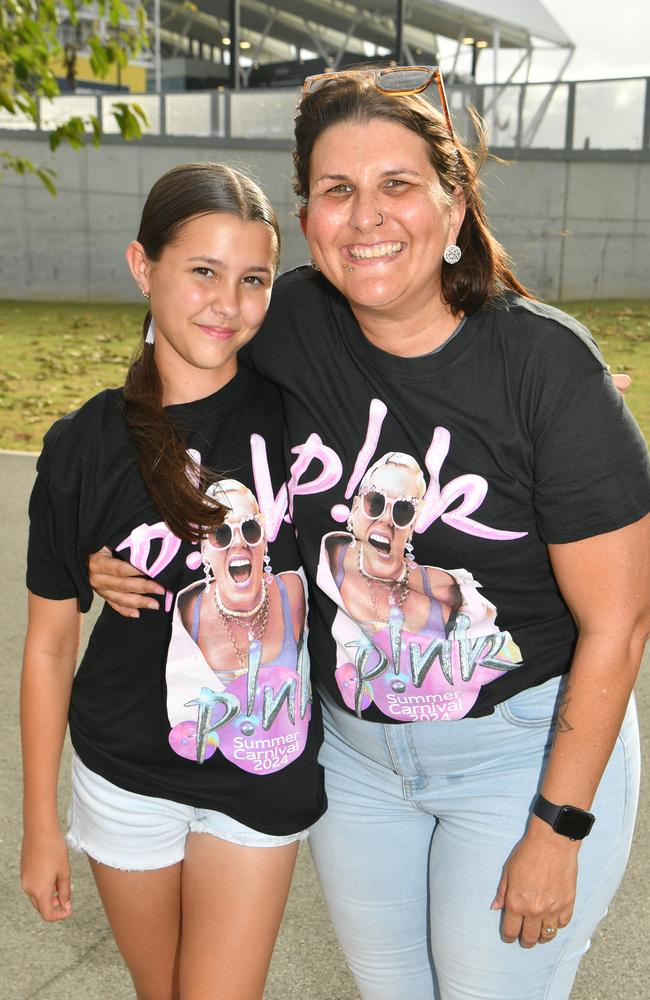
[77,959]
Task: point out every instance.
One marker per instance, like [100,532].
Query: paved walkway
[77,960]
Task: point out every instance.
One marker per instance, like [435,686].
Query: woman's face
[239,566]
[358,171]
[383,541]
[209,293]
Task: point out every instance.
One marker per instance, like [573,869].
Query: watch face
[573,823]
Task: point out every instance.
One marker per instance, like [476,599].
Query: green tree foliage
[29,46]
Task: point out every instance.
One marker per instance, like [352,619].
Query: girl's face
[359,174]
[209,293]
[383,540]
[238,563]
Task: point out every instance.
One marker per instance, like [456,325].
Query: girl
[191,826]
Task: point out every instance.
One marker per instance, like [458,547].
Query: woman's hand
[538,886]
[122,585]
[622,382]
[45,874]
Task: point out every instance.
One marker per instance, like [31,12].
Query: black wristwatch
[569,821]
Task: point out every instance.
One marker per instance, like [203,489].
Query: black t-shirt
[207,701]
[519,439]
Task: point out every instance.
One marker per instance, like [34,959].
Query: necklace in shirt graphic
[417,641]
[237,674]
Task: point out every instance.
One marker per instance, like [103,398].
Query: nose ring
[381,219]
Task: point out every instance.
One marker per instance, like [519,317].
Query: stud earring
[313,264]
[452,254]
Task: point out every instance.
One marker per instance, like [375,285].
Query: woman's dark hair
[174,481]
[484,269]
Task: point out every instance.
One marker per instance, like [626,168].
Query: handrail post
[645,142]
[570,117]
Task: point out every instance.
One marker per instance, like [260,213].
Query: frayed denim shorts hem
[133,832]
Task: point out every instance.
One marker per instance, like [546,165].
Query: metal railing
[579,115]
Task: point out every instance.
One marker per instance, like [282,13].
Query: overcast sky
[612,38]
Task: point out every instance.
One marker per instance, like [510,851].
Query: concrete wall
[575,228]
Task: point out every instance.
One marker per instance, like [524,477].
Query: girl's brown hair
[174,481]
[484,268]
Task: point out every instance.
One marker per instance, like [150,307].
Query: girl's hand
[538,886]
[45,875]
[122,585]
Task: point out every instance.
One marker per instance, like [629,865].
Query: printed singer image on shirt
[237,672]
[418,641]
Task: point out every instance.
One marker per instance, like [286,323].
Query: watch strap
[569,821]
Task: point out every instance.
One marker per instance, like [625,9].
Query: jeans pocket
[534,708]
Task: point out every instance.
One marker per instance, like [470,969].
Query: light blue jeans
[421,818]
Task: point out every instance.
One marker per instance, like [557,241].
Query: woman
[446,844]
[191,833]
[237,676]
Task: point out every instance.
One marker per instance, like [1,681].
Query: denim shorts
[135,832]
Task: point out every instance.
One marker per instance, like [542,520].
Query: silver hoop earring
[452,254]
[381,219]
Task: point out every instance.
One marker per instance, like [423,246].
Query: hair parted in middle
[174,481]
[485,269]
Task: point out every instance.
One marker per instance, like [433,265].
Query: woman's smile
[375,252]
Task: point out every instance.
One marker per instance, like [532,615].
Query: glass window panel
[149,103]
[263,114]
[503,132]
[550,132]
[18,121]
[609,114]
[58,110]
[188,114]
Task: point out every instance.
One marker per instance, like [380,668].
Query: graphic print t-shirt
[206,701]
[425,492]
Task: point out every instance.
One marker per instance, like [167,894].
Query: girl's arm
[49,659]
[605,581]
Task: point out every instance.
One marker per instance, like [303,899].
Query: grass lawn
[56,355]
